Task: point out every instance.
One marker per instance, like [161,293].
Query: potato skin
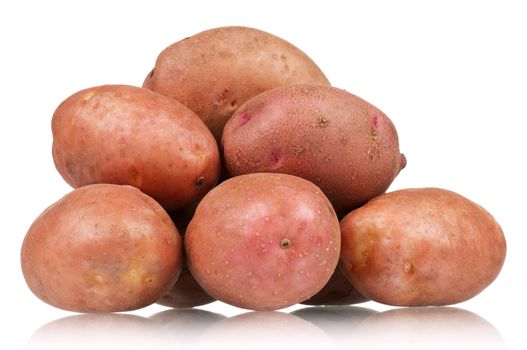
[216,71]
[263,241]
[128,135]
[326,135]
[102,248]
[338,291]
[421,247]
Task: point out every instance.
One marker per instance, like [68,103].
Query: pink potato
[102,248]
[338,291]
[421,247]
[128,135]
[263,241]
[340,142]
[216,71]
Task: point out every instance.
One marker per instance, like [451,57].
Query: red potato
[186,292]
[263,241]
[340,142]
[102,248]
[128,135]
[421,247]
[216,71]
[338,291]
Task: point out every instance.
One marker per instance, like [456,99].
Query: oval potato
[102,248]
[340,142]
[421,247]
[132,136]
[216,71]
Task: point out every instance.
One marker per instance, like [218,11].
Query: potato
[216,71]
[186,292]
[419,247]
[102,248]
[338,141]
[263,241]
[127,135]
[338,291]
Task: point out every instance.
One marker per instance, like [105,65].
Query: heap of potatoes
[224,178]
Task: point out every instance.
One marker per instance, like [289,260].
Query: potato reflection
[336,321]
[95,331]
[428,327]
[184,326]
[264,330]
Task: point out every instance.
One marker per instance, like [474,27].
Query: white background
[450,74]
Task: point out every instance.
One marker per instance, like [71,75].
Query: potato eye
[285,243]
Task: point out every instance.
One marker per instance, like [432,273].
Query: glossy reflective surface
[335,327]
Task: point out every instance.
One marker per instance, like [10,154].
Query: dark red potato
[102,248]
[421,247]
[132,136]
[338,141]
[338,291]
[263,241]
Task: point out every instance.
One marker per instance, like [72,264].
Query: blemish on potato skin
[322,122]
[223,96]
[88,96]
[285,243]
[199,181]
[244,118]
[299,149]
[408,267]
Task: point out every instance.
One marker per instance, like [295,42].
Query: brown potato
[420,247]
[216,71]
[263,241]
[102,248]
[127,135]
[338,291]
[340,142]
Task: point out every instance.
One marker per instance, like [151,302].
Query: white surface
[451,75]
